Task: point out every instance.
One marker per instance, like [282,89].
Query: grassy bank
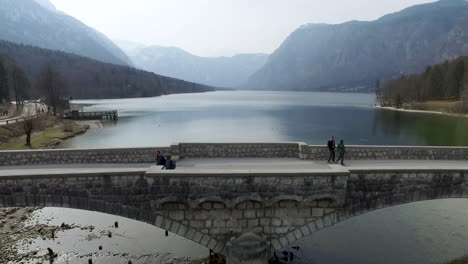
[444,106]
[48,133]
[463,260]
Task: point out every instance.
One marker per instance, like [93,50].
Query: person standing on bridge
[331,147]
[341,151]
[160,160]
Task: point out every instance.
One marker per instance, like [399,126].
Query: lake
[251,116]
[424,232]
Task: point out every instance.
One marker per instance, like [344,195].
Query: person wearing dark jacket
[160,160]
[341,152]
[331,147]
[170,164]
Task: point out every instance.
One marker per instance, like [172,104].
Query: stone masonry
[228,150]
[213,209]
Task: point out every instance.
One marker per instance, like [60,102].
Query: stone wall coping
[70,173]
[410,169]
[260,143]
[156,171]
[81,150]
[396,146]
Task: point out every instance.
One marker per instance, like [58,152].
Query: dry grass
[463,260]
[445,106]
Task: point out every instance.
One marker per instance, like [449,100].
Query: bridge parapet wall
[389,153]
[77,156]
[228,150]
[239,150]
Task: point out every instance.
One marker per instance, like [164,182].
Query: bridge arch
[145,215]
[443,186]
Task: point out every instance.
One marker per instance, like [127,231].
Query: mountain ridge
[39,23]
[353,55]
[229,72]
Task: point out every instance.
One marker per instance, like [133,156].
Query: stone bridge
[244,208]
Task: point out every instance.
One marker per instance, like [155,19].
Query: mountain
[88,78]
[38,23]
[353,55]
[227,72]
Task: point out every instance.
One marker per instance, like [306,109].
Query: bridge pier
[248,249]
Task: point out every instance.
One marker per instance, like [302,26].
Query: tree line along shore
[440,88]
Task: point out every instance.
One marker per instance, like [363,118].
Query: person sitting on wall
[160,160]
[170,164]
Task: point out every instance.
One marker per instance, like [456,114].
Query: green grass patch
[44,138]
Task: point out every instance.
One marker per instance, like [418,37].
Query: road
[233,166]
[29,109]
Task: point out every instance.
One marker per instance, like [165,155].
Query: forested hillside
[446,81]
[88,78]
[38,23]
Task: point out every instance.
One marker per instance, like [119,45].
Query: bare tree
[52,85]
[4,89]
[28,126]
[20,85]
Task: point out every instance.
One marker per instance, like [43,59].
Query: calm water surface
[424,232]
[244,116]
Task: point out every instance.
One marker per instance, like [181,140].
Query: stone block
[276,222]
[276,244]
[305,230]
[298,234]
[281,212]
[281,230]
[175,227]
[201,215]
[182,230]
[177,215]
[312,227]
[212,244]
[268,212]
[196,224]
[205,240]
[297,221]
[252,223]
[197,237]
[284,242]
[317,212]
[236,214]
[291,238]
[265,221]
[219,223]
[250,213]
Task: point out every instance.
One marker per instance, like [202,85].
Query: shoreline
[391,108]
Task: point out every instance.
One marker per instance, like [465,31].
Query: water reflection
[423,232]
[242,116]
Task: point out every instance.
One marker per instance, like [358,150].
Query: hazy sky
[219,27]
